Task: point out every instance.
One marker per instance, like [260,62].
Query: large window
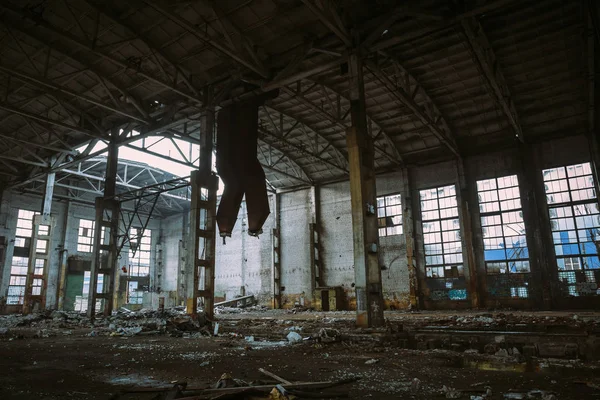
[139,264]
[139,252]
[85,238]
[389,213]
[20,259]
[504,240]
[575,222]
[441,237]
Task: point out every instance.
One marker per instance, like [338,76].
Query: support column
[367,273]
[409,236]
[201,255]
[104,253]
[62,274]
[466,228]
[276,254]
[314,232]
[39,253]
[539,232]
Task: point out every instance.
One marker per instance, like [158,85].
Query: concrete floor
[71,364]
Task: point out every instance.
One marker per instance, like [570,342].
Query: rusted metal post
[409,236]
[276,255]
[104,254]
[201,252]
[367,272]
[466,228]
[314,232]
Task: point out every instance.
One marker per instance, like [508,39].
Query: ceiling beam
[335,120]
[408,99]
[37,117]
[88,47]
[46,84]
[494,78]
[341,157]
[215,44]
[384,134]
[290,159]
[66,51]
[100,6]
[330,19]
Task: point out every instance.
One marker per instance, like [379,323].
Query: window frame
[432,269]
[385,216]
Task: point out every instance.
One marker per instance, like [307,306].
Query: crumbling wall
[338,253]
[295,251]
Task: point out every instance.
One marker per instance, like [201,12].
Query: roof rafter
[203,36]
[494,78]
[293,163]
[342,159]
[383,133]
[85,46]
[429,115]
[102,77]
[179,72]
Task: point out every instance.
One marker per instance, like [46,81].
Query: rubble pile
[122,322]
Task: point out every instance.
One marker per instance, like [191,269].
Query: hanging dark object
[239,168]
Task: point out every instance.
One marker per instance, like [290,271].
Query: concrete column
[367,272]
[466,227]
[409,236]
[539,233]
[37,281]
[62,273]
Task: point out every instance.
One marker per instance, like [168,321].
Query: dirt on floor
[61,356]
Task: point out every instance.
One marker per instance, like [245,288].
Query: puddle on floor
[137,381]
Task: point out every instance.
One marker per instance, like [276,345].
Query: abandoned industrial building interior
[287,199]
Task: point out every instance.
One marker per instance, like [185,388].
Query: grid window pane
[389,214]
[441,233]
[575,223]
[503,228]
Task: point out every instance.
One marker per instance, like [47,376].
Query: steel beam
[203,36]
[489,67]
[408,100]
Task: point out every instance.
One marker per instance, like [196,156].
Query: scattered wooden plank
[272,375]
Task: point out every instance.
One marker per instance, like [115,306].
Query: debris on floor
[229,388]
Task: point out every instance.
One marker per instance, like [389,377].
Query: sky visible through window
[164,147]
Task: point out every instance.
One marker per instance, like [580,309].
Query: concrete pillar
[465,196]
[39,262]
[62,272]
[409,236]
[367,272]
[539,233]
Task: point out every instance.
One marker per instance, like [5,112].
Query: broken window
[389,213]
[504,237]
[81,302]
[575,223]
[20,259]
[441,236]
[85,240]
[139,252]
